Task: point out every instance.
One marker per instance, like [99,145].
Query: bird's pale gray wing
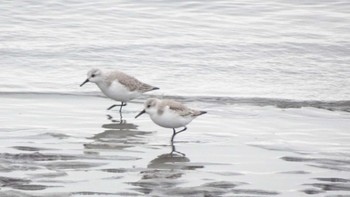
[177,107]
[181,109]
[130,82]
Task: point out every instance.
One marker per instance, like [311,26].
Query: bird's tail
[198,113]
[147,88]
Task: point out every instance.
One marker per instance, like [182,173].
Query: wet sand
[70,145]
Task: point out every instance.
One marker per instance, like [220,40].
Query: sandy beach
[69,145]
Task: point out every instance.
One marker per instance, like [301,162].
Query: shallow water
[273,76]
[68,145]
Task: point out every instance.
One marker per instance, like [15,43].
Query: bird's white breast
[170,119]
[118,92]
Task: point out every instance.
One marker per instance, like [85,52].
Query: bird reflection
[117,135]
[164,171]
[110,117]
[172,160]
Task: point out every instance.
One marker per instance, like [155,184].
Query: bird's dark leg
[120,110]
[184,129]
[175,133]
[120,117]
[111,107]
[172,137]
[121,106]
[173,150]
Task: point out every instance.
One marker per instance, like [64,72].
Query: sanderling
[169,114]
[118,85]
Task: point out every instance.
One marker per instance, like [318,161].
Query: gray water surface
[275,49]
[274,77]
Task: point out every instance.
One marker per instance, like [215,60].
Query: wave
[336,105]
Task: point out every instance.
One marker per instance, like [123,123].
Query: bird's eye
[148,106]
[93,75]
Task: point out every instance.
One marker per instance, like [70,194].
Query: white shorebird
[118,85]
[169,114]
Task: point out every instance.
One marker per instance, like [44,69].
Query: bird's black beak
[142,112]
[87,80]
